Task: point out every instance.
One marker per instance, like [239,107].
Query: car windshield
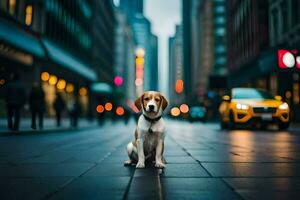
[248,93]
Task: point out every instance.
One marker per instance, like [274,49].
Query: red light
[285,59]
[179,86]
[184,108]
[298,61]
[108,106]
[120,111]
[118,80]
[100,109]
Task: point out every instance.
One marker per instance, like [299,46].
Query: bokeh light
[108,106]
[52,80]
[45,76]
[100,108]
[120,111]
[184,108]
[175,111]
[118,80]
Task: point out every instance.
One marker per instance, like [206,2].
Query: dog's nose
[151,107]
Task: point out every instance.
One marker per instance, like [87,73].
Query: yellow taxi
[250,106]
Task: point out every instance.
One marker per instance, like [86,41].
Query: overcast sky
[164,15]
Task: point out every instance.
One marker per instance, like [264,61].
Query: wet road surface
[203,162]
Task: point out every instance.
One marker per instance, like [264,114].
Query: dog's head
[151,103]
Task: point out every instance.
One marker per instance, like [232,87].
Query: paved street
[203,163]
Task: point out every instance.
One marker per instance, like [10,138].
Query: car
[251,106]
[197,113]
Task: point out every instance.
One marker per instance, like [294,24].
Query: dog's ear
[164,102]
[139,101]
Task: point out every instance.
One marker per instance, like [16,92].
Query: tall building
[64,45]
[154,63]
[245,47]
[187,52]
[176,69]
[124,65]
[145,40]
[284,26]
[132,7]
[211,38]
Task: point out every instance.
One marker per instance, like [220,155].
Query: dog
[148,142]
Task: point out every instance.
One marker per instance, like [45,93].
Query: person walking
[37,105]
[15,97]
[59,106]
[75,111]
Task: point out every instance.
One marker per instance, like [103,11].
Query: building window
[219,9]
[220,31]
[28,15]
[220,49]
[275,24]
[12,7]
[284,17]
[295,12]
[220,20]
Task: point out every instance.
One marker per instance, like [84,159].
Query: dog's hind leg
[132,154]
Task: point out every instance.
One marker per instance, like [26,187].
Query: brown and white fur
[148,144]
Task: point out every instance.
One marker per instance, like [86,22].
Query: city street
[202,163]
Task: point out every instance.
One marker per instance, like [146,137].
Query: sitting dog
[148,142]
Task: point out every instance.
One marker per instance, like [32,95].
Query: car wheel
[231,124]
[283,126]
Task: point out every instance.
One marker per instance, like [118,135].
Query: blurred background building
[253,54]
[176,87]
[145,41]
[65,45]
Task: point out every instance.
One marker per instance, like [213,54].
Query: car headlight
[242,106]
[284,106]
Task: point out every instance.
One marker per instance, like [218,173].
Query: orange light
[61,84]
[52,80]
[184,108]
[45,76]
[100,109]
[120,111]
[179,86]
[28,16]
[108,106]
[175,112]
[2,81]
[70,88]
[139,61]
[83,91]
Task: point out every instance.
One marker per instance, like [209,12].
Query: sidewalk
[49,125]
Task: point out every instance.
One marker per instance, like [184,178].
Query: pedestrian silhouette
[59,106]
[15,99]
[127,115]
[37,105]
[74,107]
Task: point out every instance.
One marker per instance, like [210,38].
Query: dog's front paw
[140,165]
[160,165]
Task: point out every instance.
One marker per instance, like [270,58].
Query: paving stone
[30,188]
[114,170]
[253,169]
[184,170]
[43,170]
[94,188]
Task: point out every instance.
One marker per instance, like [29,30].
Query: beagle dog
[148,142]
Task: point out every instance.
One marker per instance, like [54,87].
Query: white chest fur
[150,140]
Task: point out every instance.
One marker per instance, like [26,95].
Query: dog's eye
[147,99]
[157,100]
